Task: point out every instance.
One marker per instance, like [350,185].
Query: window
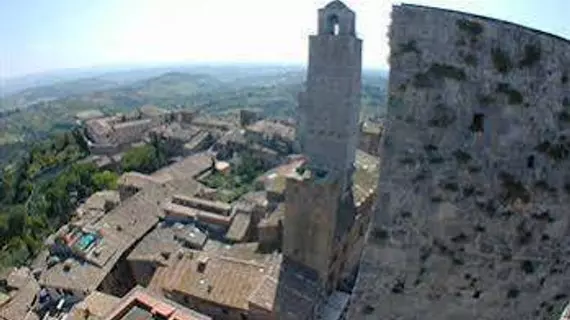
[477,124]
[333,25]
[530,162]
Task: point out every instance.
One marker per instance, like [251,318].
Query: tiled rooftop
[98,305]
[273,128]
[287,290]
[188,168]
[137,180]
[158,241]
[225,281]
[177,211]
[142,304]
[176,131]
[239,227]
[99,200]
[120,229]
[19,277]
[99,125]
[18,307]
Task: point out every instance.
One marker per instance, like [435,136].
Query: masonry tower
[319,208]
[329,108]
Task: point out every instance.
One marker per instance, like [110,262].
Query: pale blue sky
[42,35]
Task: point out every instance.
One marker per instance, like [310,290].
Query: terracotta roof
[223,281]
[137,180]
[273,128]
[204,204]
[158,241]
[188,168]
[289,290]
[239,227]
[176,131]
[98,304]
[120,229]
[246,251]
[99,200]
[18,307]
[179,211]
[99,125]
[155,304]
[19,277]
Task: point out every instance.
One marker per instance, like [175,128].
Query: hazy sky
[40,35]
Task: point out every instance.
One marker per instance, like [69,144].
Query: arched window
[334,27]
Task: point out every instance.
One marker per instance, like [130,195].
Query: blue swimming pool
[86,240]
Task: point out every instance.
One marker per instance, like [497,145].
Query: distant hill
[175,84]
[45,110]
[58,90]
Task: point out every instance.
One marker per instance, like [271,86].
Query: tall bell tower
[329,109]
[319,208]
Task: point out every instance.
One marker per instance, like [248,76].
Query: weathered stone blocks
[472,219]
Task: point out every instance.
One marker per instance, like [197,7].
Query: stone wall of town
[472,218]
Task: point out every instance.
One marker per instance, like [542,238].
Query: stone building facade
[327,124]
[308,228]
[472,220]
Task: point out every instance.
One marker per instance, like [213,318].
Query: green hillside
[275,93]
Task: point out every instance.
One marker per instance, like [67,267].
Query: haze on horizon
[45,35]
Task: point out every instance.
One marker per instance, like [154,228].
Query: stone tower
[319,204]
[309,224]
[328,112]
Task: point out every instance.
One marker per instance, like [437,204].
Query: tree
[105,180]
[145,159]
[80,140]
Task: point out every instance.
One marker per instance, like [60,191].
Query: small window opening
[477,123]
[530,162]
[334,26]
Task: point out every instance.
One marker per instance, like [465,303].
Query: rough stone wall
[472,218]
[308,229]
